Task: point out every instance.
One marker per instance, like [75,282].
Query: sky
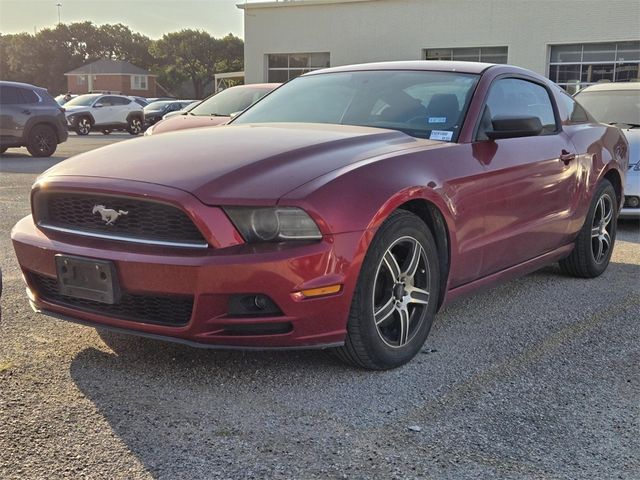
[149,17]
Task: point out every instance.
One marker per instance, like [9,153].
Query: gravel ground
[536,379]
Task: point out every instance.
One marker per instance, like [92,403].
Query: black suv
[30,117]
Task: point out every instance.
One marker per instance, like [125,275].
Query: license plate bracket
[88,279]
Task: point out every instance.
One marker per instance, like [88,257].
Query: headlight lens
[273,224]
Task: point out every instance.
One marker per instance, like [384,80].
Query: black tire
[368,344]
[83,126]
[42,141]
[134,126]
[586,260]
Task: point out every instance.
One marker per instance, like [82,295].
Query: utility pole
[59,5]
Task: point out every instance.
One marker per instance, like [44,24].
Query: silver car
[619,104]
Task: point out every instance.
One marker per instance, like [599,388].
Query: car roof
[426,65]
[19,84]
[612,86]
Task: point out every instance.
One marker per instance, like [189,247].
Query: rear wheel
[396,297]
[134,127]
[594,245]
[42,141]
[83,126]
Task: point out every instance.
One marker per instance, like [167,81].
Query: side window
[570,110]
[120,101]
[104,101]
[514,97]
[9,96]
[29,96]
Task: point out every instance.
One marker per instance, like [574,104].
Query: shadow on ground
[24,163]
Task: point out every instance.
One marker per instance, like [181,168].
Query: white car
[104,112]
[619,104]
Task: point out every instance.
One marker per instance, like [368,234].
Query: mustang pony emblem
[108,214]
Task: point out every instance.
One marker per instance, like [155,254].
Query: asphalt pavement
[535,379]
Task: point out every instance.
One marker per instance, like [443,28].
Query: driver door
[530,181]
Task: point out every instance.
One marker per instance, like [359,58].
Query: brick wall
[111,83]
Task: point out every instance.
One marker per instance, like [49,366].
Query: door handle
[566,157]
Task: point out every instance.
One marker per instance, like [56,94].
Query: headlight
[273,224]
[149,131]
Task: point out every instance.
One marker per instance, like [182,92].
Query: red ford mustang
[342,210]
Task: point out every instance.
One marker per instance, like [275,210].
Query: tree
[188,55]
[196,56]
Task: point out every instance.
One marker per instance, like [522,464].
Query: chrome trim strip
[142,241]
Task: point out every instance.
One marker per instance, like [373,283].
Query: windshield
[231,100]
[81,101]
[616,107]
[423,104]
[158,105]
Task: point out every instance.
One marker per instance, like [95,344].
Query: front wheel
[134,127]
[83,126]
[396,296]
[42,141]
[594,245]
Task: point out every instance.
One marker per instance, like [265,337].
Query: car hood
[245,164]
[182,122]
[74,109]
[633,137]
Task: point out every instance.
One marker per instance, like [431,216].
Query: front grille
[172,311]
[138,220]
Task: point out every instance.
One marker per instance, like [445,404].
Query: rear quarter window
[570,111]
[29,96]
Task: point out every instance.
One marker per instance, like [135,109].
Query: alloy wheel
[601,228]
[135,126]
[44,142]
[401,292]
[84,126]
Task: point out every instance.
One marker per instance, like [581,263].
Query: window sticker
[441,135]
[437,119]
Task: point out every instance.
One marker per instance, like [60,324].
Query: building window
[285,66]
[138,82]
[81,80]
[473,54]
[576,66]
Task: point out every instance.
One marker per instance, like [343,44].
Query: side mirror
[98,105]
[511,127]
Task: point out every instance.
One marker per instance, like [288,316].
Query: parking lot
[538,378]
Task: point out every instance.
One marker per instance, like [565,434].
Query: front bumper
[631,189]
[211,277]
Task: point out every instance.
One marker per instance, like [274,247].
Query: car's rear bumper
[63,132]
[211,277]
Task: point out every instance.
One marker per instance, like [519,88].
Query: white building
[574,42]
